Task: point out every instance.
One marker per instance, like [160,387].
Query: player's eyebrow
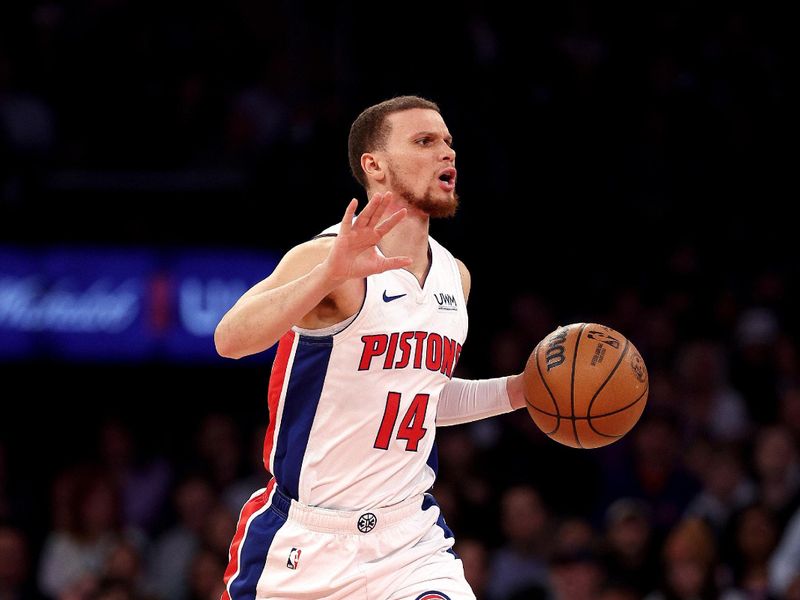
[447,138]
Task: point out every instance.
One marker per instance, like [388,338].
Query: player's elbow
[224,342]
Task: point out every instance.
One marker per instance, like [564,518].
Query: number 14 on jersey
[410,429]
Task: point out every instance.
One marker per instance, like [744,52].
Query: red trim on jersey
[276,381]
[248,510]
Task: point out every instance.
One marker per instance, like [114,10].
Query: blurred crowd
[630,132]
[700,500]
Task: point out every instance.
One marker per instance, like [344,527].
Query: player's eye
[423,141]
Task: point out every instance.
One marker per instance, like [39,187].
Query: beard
[435,209]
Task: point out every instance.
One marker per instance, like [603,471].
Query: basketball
[586,385]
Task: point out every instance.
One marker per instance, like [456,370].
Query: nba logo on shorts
[294,558]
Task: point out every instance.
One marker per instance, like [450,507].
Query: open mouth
[447,179]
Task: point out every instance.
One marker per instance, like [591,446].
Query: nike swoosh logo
[390,298]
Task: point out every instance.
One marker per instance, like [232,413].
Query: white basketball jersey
[353,407]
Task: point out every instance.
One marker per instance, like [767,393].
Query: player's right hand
[355,253]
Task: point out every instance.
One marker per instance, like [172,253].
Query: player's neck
[409,238]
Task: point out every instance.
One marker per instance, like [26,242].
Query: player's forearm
[463,400]
[256,322]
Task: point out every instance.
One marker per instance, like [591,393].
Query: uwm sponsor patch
[432,596]
[446,301]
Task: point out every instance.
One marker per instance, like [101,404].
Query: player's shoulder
[463,271]
[462,268]
[317,247]
[466,278]
[311,252]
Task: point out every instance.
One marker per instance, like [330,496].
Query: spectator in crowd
[630,550]
[143,483]
[751,540]
[710,404]
[465,479]
[205,576]
[573,533]
[522,560]
[691,566]
[172,553]
[576,575]
[653,470]
[124,563]
[219,528]
[777,468]
[726,488]
[78,552]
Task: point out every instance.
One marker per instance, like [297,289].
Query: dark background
[628,164]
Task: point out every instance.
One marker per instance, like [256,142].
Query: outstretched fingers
[347,219]
[373,210]
[388,224]
[377,216]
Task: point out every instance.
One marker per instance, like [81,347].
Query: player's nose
[448,153]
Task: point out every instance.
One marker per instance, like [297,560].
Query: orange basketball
[586,385]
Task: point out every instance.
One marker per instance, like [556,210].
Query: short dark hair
[371,129]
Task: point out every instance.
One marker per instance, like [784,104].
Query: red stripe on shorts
[251,507]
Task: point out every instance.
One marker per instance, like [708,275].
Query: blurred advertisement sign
[115,304]
[200,288]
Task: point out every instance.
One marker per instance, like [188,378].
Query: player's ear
[373,166]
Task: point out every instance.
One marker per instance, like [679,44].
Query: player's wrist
[516,391]
[328,277]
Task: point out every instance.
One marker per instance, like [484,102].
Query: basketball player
[371,317]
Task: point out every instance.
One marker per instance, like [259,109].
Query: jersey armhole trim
[336,328]
[325,331]
[342,333]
